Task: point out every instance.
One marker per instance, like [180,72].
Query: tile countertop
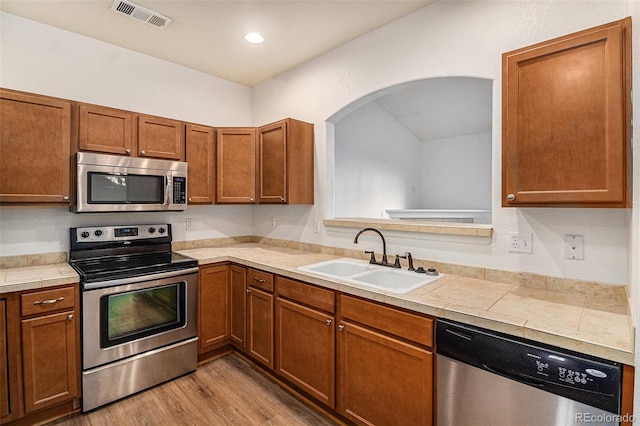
[34,277]
[595,325]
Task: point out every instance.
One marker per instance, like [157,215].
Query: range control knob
[98,233]
[84,234]
[161,230]
[152,230]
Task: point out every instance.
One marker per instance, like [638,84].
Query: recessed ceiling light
[255,38]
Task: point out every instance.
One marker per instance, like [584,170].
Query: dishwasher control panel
[591,380]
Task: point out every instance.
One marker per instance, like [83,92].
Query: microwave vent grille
[140,13]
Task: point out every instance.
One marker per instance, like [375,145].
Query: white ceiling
[207,35]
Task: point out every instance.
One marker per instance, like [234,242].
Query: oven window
[140,313]
[107,188]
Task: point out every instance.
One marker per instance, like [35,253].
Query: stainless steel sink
[399,281]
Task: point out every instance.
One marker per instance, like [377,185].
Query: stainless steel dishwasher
[490,378]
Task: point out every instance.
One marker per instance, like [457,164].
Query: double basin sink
[394,280]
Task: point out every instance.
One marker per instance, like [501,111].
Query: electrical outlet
[520,242]
[189,223]
[574,247]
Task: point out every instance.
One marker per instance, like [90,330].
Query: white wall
[448,38]
[41,59]
[456,172]
[377,164]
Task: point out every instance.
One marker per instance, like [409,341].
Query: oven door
[132,318]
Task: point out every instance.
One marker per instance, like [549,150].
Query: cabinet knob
[341,327]
[190,199]
[65,198]
[248,290]
[251,200]
[511,197]
[328,322]
[143,152]
[128,150]
[70,317]
[282,199]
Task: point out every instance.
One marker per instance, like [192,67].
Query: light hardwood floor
[226,391]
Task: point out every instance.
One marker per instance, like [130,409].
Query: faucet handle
[396,264]
[373,256]
[408,256]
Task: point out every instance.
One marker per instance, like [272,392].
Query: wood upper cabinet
[35,138]
[200,148]
[50,347]
[236,165]
[114,131]
[160,138]
[106,130]
[305,338]
[285,155]
[385,372]
[238,306]
[213,307]
[566,120]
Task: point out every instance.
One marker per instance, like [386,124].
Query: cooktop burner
[108,253]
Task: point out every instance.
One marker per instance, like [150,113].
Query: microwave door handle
[168,196]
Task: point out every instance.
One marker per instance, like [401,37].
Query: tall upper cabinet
[566,123]
[34,148]
[285,153]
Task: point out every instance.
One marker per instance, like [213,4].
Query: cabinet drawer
[260,279]
[412,327]
[306,294]
[47,301]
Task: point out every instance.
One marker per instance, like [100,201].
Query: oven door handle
[131,280]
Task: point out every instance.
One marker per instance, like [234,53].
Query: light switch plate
[520,242]
[574,247]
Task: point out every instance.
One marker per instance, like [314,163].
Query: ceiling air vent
[140,13]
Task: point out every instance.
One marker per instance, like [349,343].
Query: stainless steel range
[139,321]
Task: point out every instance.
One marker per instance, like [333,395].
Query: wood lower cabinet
[384,378]
[35,138]
[260,305]
[5,402]
[285,156]
[213,307]
[305,338]
[566,131]
[238,306]
[236,165]
[200,148]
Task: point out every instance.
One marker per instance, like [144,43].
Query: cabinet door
[236,165]
[260,330]
[382,380]
[213,307]
[35,137]
[200,143]
[4,362]
[238,306]
[49,360]
[160,138]
[106,130]
[566,115]
[272,155]
[306,349]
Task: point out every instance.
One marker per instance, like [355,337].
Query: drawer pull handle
[261,281]
[48,301]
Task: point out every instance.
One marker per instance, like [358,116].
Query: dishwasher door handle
[527,380]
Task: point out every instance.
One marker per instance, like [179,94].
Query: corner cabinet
[236,165]
[35,138]
[567,120]
[285,155]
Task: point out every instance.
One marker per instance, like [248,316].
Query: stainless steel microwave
[112,183]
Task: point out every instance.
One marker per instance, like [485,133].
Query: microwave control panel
[179,190]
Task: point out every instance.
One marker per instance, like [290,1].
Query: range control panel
[121,233]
